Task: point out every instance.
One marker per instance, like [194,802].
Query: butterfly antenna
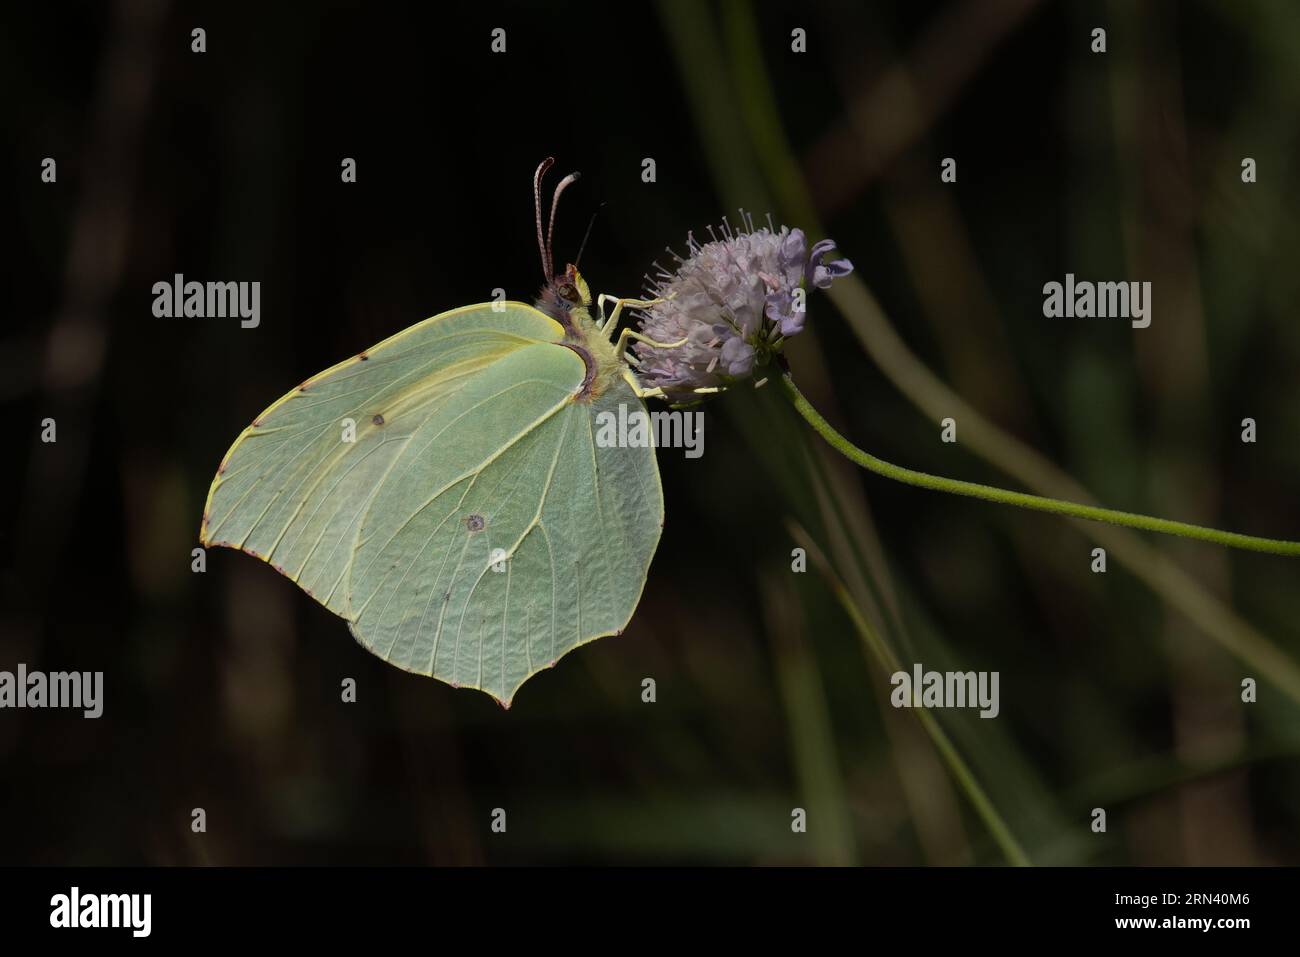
[587,235]
[555,202]
[537,210]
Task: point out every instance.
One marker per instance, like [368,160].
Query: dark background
[1119,691]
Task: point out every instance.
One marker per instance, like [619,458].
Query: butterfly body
[568,300]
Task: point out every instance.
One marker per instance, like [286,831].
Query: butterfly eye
[567,291]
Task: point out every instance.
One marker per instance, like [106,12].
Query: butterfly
[444,491]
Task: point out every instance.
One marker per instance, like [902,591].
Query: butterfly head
[568,290]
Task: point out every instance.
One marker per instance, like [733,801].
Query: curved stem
[1039,503]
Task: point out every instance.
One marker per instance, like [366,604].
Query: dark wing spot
[378,419]
[475,523]
[363,357]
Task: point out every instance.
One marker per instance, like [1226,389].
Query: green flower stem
[1039,503]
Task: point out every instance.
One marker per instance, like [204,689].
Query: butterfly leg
[656,392]
[621,347]
[612,322]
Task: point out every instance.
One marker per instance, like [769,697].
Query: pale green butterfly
[444,491]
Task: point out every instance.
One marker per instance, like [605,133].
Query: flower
[734,300]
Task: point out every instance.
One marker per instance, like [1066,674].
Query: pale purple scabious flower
[735,300]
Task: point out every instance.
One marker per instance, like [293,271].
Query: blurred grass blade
[812,738]
[889,663]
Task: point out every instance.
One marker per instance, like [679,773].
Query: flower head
[734,300]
